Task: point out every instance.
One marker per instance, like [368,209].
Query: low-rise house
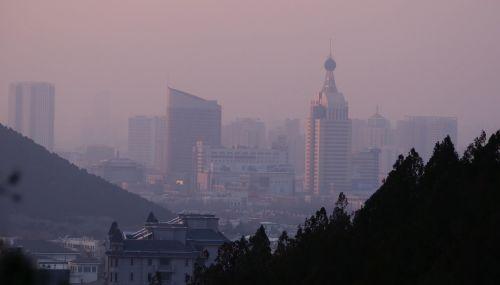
[59,264]
[165,252]
[84,270]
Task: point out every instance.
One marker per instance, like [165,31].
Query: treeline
[437,223]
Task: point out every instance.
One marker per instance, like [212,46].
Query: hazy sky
[257,58]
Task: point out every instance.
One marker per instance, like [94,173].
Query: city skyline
[443,64]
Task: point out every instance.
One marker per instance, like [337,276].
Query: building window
[86,269]
[164,261]
[116,262]
[111,277]
[131,261]
[116,277]
[187,262]
[150,261]
[80,269]
[94,269]
[131,276]
[149,277]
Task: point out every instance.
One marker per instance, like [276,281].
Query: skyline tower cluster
[336,154]
[31,111]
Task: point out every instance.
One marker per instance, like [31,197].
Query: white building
[31,111]
[87,245]
[165,251]
[83,270]
[258,170]
[60,264]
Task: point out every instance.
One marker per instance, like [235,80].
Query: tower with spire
[328,139]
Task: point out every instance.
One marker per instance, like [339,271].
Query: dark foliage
[53,189]
[15,268]
[437,223]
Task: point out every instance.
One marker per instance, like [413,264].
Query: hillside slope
[58,196]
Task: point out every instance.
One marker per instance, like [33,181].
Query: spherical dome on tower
[330,64]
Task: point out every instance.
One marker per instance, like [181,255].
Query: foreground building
[328,140]
[162,252]
[57,264]
[31,111]
[189,119]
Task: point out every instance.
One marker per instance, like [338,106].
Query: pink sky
[257,58]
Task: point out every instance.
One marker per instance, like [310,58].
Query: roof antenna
[330,47]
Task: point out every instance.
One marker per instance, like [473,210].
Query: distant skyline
[257,59]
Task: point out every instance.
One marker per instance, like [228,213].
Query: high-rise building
[244,132]
[375,132]
[31,111]
[189,119]
[146,140]
[365,171]
[328,140]
[257,170]
[422,133]
[288,136]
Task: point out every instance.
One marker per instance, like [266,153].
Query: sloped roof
[155,246]
[205,235]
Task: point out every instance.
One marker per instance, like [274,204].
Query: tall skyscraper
[31,111]
[146,140]
[189,119]
[422,133]
[244,132]
[328,140]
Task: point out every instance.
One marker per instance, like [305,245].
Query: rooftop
[42,247]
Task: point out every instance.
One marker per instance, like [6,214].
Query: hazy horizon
[113,59]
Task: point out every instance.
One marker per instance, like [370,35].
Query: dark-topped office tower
[189,119]
[31,111]
[328,139]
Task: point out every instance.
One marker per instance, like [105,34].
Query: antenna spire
[330,47]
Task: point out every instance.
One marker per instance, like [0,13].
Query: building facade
[365,171]
[288,136]
[422,133]
[189,119]
[146,140]
[31,111]
[120,171]
[328,140]
[256,170]
[244,132]
[162,252]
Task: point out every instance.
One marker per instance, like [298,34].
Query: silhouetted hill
[59,198]
[437,223]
